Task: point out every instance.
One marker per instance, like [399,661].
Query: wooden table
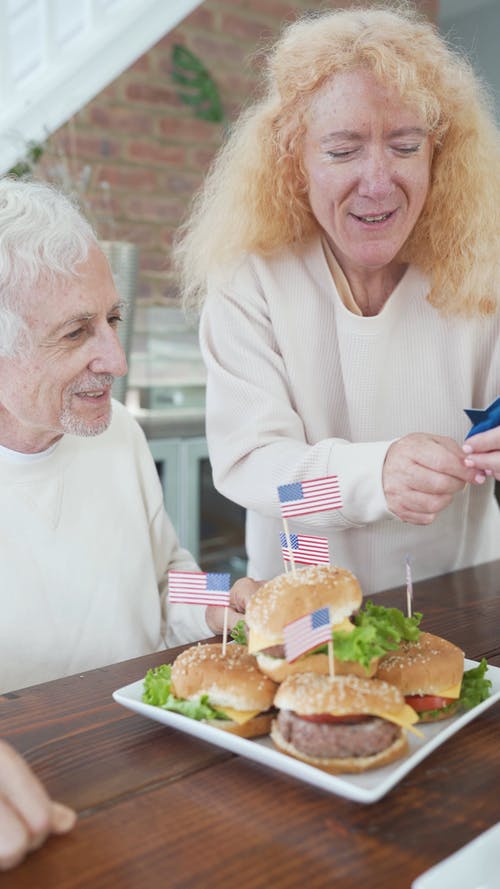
[160,809]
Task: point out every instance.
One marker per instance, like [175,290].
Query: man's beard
[71,423]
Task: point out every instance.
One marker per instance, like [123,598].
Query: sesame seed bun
[309,693]
[425,667]
[290,596]
[231,680]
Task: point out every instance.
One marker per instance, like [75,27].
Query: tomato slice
[420,703]
[328,717]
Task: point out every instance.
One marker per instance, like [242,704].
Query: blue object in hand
[483,420]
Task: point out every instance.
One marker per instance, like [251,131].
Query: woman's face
[367,158]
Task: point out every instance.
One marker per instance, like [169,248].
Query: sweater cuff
[186,623]
[359,470]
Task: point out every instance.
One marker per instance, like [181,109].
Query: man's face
[64,384]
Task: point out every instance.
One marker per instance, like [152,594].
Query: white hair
[43,237]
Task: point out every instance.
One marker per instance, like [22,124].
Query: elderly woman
[345,242]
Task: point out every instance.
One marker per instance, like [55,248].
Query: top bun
[230,680]
[310,693]
[428,666]
[290,596]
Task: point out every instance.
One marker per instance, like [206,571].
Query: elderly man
[85,543]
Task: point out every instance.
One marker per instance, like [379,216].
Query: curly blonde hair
[255,197]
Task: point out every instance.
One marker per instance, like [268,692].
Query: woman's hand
[482,452]
[241,591]
[421,475]
[27,814]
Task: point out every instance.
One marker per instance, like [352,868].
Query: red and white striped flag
[305,550]
[199,588]
[311,495]
[307,633]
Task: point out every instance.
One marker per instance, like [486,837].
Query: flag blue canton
[320,618]
[292,491]
[294,540]
[218,581]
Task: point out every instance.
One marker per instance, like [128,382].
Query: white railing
[55,55]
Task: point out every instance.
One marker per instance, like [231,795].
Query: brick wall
[139,153]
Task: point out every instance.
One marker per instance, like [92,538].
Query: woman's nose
[376,179]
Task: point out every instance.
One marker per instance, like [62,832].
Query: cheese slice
[259,641]
[453,692]
[239,716]
[344,626]
[406,717]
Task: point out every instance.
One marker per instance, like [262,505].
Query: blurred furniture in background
[123,258]
[166,394]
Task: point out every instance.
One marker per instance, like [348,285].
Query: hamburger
[289,596]
[428,673]
[224,690]
[345,724]
[360,636]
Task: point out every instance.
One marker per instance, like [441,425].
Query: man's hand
[241,591]
[482,452]
[421,475]
[27,814]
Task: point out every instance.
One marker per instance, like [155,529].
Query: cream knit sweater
[299,387]
[85,546]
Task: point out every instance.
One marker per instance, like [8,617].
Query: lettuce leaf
[377,630]
[239,633]
[157,691]
[439,712]
[390,620]
[475,688]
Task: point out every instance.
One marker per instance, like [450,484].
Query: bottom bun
[253,728]
[278,668]
[347,764]
[447,713]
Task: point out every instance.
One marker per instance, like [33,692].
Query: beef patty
[328,739]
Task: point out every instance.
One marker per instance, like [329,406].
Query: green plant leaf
[184,58]
[199,91]
[25,166]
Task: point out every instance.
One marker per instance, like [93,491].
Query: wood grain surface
[160,809]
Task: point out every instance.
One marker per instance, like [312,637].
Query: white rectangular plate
[365,788]
[474,866]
